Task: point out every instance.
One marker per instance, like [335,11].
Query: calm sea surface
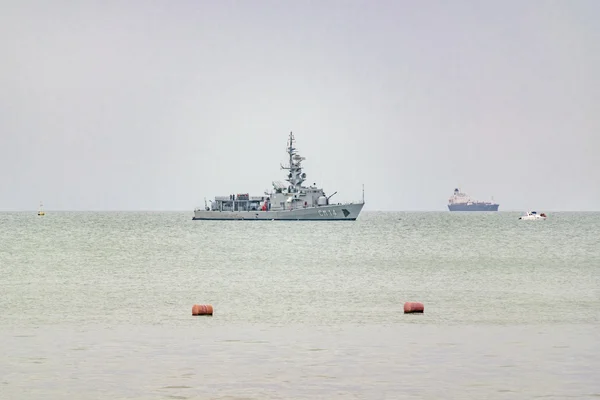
[98,306]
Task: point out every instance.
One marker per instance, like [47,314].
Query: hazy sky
[154,105]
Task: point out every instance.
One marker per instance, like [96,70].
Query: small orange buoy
[413,307]
[202,309]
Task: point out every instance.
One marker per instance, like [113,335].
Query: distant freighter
[462,202]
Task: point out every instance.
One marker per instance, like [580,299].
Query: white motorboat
[531,215]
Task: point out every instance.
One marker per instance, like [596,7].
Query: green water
[98,305]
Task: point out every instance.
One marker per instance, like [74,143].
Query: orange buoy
[413,307]
[202,309]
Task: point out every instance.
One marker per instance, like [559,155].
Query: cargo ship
[460,201]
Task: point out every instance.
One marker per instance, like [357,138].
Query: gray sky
[154,105]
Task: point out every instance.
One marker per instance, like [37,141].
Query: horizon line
[364,211]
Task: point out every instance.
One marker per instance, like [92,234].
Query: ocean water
[98,306]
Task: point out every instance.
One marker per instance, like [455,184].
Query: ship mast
[295,177]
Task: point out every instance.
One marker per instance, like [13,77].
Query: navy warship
[286,202]
[460,201]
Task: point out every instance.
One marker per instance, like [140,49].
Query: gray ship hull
[337,212]
[473,207]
